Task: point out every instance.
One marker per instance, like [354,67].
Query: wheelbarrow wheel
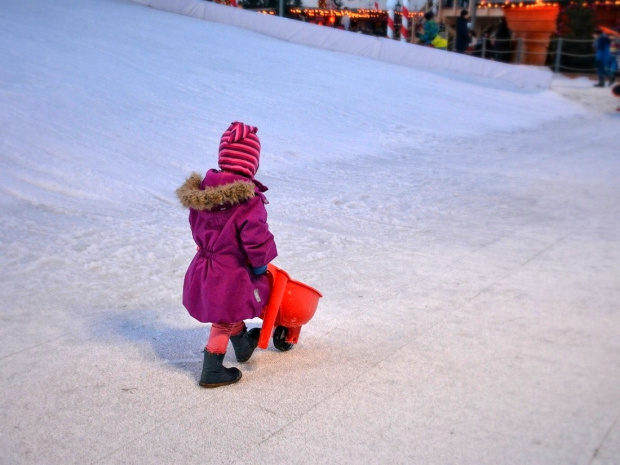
[279,339]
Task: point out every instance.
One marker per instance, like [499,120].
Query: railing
[556,53]
[562,54]
[559,53]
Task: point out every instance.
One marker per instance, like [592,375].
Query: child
[226,282]
[430,29]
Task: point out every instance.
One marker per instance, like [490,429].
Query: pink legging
[220,334]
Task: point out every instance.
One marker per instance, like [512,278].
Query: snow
[463,232]
[378,48]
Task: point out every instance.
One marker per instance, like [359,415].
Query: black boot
[601,83]
[214,374]
[244,343]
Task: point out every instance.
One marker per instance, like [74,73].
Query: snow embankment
[379,48]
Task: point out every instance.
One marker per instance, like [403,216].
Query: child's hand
[258,270]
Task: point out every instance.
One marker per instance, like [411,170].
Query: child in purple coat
[226,281]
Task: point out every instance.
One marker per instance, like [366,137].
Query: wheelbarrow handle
[280,278]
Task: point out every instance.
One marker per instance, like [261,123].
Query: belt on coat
[204,253]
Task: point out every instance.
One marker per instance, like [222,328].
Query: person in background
[615,90]
[431,29]
[226,282]
[502,41]
[463,37]
[473,40]
[484,46]
[345,20]
[602,46]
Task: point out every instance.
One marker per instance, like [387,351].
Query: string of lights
[371,13]
[539,4]
[353,14]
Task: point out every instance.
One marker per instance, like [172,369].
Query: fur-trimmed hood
[193,195]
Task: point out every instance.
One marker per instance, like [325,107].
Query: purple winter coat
[229,224]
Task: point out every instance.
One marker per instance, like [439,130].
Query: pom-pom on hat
[240,149]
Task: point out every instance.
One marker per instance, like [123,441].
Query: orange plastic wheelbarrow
[291,305]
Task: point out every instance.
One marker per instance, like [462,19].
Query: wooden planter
[534,25]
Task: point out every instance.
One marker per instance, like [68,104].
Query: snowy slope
[454,229]
[488,72]
[122,114]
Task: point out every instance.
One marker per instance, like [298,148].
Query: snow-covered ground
[464,236]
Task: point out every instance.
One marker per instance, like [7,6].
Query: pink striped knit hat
[240,149]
